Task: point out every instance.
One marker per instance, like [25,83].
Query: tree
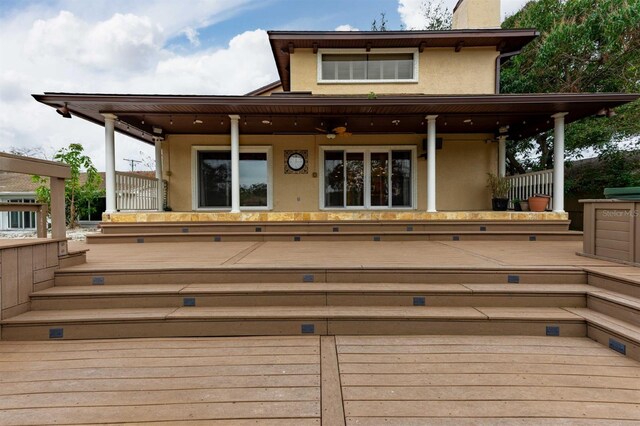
[81,192]
[383,23]
[584,46]
[437,17]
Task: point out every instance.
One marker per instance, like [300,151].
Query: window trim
[195,186]
[367,150]
[416,67]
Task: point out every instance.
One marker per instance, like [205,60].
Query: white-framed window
[18,220]
[360,66]
[211,174]
[368,177]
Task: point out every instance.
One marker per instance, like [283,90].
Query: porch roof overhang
[284,43]
[515,115]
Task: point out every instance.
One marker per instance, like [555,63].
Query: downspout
[499,62]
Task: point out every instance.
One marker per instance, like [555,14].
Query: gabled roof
[284,43]
[264,89]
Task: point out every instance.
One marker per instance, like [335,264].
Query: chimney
[474,14]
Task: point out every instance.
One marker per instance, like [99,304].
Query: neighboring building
[17,188]
[361,125]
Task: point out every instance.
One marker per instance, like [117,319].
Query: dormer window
[358,66]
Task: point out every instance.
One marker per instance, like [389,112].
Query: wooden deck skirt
[202,216]
[612,230]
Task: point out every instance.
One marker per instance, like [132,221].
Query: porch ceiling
[291,113]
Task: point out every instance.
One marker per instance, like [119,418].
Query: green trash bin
[628,193]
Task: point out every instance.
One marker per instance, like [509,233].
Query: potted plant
[499,187]
[520,205]
[539,202]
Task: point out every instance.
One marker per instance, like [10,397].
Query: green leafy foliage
[584,46]
[613,169]
[81,191]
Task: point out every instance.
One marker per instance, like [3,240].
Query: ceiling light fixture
[171,120]
[142,122]
[266,122]
[64,111]
[196,120]
[396,122]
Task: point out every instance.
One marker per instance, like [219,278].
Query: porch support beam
[502,156]
[431,163]
[158,146]
[58,216]
[110,162]
[235,163]
[558,162]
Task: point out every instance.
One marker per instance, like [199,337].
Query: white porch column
[431,163]
[235,164]
[502,156]
[110,161]
[558,162]
[158,146]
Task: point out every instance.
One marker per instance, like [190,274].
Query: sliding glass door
[368,177]
[214,178]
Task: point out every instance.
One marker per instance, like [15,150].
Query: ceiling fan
[338,131]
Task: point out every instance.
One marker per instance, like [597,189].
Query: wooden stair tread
[90,315]
[617,298]
[289,312]
[327,222]
[376,288]
[614,325]
[322,233]
[542,313]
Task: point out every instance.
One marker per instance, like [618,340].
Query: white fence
[529,184]
[137,192]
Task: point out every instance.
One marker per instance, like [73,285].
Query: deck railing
[528,184]
[137,192]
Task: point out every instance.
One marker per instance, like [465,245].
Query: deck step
[333,226]
[310,294]
[127,275]
[384,235]
[617,334]
[617,305]
[290,320]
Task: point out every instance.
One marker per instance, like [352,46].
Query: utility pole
[132,162]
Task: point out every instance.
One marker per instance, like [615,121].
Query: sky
[204,47]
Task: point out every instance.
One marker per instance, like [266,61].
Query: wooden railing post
[41,227]
[58,219]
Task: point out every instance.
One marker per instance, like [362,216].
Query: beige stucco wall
[472,14]
[440,71]
[461,166]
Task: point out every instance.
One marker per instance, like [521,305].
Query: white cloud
[346,27]
[192,35]
[126,52]
[127,42]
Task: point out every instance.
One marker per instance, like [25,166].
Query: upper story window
[351,67]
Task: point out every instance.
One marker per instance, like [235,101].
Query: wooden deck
[395,254]
[313,380]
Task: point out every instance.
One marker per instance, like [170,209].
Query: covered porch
[405,158]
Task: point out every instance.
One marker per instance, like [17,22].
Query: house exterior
[361,125]
[17,188]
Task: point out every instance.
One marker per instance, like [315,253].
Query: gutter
[499,62]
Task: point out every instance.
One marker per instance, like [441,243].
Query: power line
[132,162]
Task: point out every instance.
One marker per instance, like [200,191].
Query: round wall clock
[296,161]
